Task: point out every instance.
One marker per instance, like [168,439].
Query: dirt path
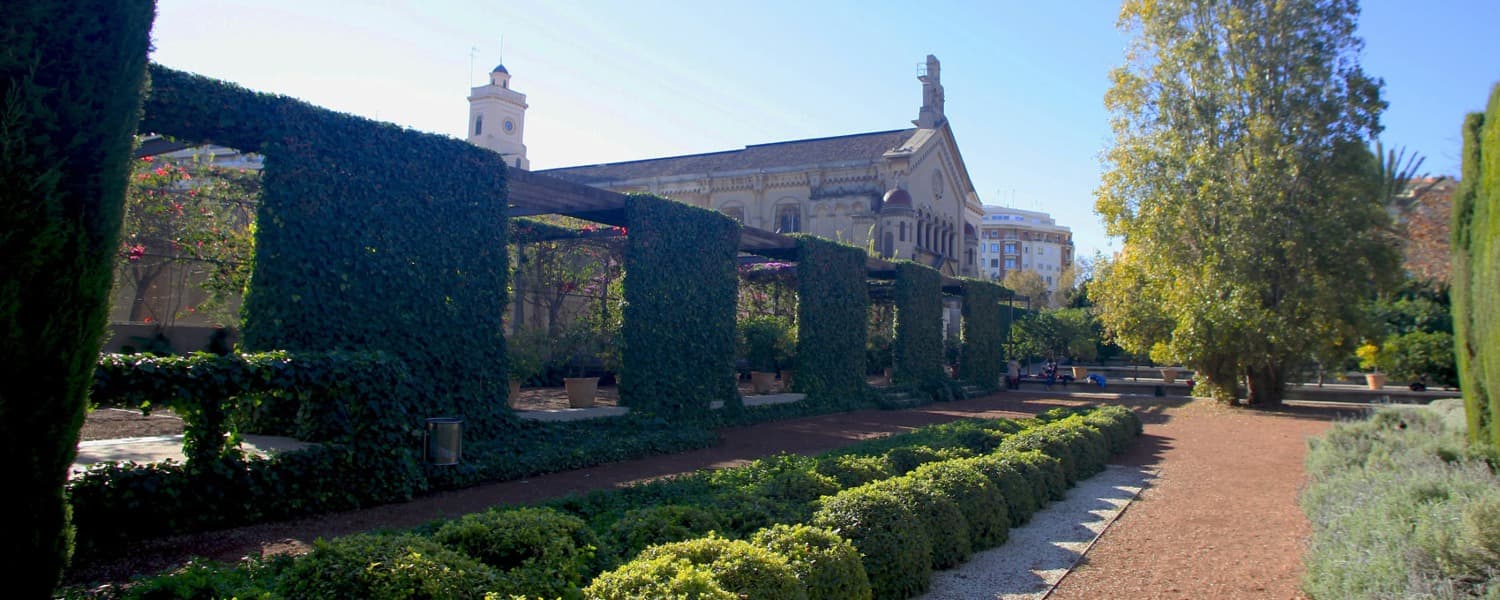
[1221,520]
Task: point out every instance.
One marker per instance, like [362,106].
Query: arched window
[788,219]
[903,231]
[734,212]
[890,244]
[479,125]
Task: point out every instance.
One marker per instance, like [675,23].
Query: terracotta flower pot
[1375,381]
[786,380]
[761,382]
[1169,375]
[1080,373]
[581,391]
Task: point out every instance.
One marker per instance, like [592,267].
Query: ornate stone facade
[901,193]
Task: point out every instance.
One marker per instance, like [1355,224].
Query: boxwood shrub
[895,547]
[941,518]
[982,503]
[1043,471]
[654,525]
[537,551]
[1119,425]
[904,459]
[828,565]
[742,512]
[661,577]
[385,567]
[853,470]
[1020,496]
[749,571]
[890,520]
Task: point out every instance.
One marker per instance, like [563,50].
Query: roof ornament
[931,114]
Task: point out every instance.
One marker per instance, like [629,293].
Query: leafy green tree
[1242,184]
[1030,285]
[72,74]
[1057,333]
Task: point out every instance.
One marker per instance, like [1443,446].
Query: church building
[905,193]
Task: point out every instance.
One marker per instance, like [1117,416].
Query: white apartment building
[1011,239]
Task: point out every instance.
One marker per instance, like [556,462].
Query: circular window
[510,126]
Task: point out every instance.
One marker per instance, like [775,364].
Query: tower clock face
[509,125]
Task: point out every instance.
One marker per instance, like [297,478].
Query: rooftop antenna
[473,52]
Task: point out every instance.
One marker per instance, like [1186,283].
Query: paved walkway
[164,447]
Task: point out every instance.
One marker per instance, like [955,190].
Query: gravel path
[1040,553]
[1221,519]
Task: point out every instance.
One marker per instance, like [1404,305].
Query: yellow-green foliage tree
[1242,186]
[1476,272]
[71,77]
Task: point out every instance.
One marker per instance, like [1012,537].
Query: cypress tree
[71,79]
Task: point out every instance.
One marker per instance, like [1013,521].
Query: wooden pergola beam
[536,194]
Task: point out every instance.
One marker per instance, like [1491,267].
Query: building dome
[500,69]
[898,197]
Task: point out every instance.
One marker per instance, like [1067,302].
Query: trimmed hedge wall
[369,237]
[919,329]
[363,403]
[681,287]
[831,335]
[72,75]
[332,397]
[985,325]
[1476,259]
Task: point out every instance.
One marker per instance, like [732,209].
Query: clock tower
[497,118]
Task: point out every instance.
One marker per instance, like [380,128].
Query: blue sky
[622,80]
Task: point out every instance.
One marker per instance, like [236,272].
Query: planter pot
[581,391]
[1169,375]
[761,382]
[786,380]
[888,374]
[1080,373]
[515,393]
[1375,380]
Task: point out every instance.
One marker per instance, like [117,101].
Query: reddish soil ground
[1221,520]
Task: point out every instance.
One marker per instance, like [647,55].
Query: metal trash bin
[444,440]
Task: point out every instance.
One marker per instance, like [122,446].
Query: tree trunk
[1267,385]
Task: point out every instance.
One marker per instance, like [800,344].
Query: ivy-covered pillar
[368,237]
[681,285]
[919,328]
[985,324]
[833,306]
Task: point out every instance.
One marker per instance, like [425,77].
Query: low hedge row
[843,525]
[358,404]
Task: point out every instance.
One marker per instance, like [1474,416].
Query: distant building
[1011,239]
[905,193]
[1428,202]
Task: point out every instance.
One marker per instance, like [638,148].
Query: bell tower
[497,118]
